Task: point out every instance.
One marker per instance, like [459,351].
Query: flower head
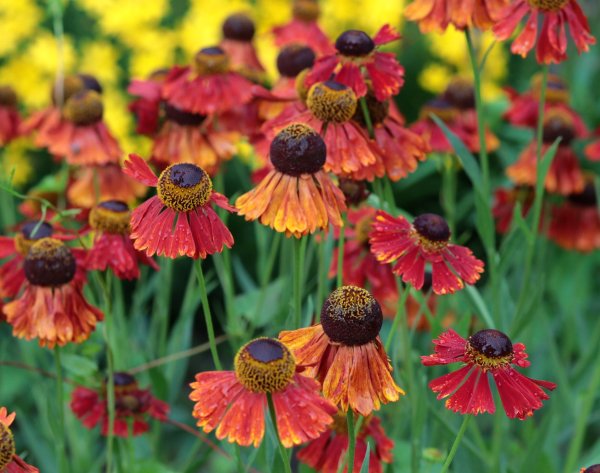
[179,220]
[296,197]
[427,240]
[487,351]
[146,106]
[131,404]
[357,53]
[234,402]
[552,40]
[238,32]
[10,462]
[591,469]
[52,307]
[344,352]
[9,115]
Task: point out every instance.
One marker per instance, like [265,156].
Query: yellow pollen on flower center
[7,446]
[427,244]
[489,349]
[548,5]
[84,108]
[110,217]
[363,228]
[264,365]
[211,61]
[486,362]
[184,187]
[331,102]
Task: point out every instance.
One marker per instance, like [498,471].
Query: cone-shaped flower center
[125,387]
[183,118]
[331,101]
[298,149]
[7,446]
[354,43]
[49,263]
[293,59]
[238,27]
[489,349]
[355,192]
[184,187]
[29,234]
[548,5]
[84,108]
[433,231]
[586,198]
[351,316]
[211,60]
[362,229]
[556,89]
[592,469]
[440,107]
[306,10]
[8,98]
[110,216]
[71,85]
[558,124]
[461,94]
[90,82]
[378,111]
[264,365]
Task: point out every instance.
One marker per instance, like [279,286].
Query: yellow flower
[99,58]
[152,49]
[435,77]
[18,18]
[16,162]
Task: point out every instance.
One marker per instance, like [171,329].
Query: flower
[303,28]
[436,15]
[331,106]
[180,219]
[296,197]
[427,240]
[52,307]
[552,40]
[238,32]
[10,462]
[575,224]
[357,50]
[468,390]
[564,176]
[132,405]
[234,402]
[344,352]
[146,107]
[591,469]
[9,115]
[505,200]
[193,138]
[325,453]
[208,86]
[112,246]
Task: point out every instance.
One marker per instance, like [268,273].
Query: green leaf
[149,466]
[78,365]
[365,465]
[479,305]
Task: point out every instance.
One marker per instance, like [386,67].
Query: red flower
[179,220]
[436,15]
[132,404]
[425,241]
[591,469]
[52,307]
[505,200]
[9,115]
[325,453]
[468,390]
[10,462]
[146,107]
[357,50]
[234,402]
[238,32]
[208,86]
[552,41]
[112,246]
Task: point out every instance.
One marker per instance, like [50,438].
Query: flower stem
[207,315]
[351,439]
[367,116]
[282,452]
[340,255]
[299,250]
[60,440]
[400,312]
[455,445]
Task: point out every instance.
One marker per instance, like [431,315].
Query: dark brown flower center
[182,118]
[489,349]
[306,10]
[556,89]
[592,469]
[548,5]
[558,124]
[331,101]
[298,149]
[184,187]
[432,227]
[293,59]
[123,380]
[110,216]
[238,27]
[212,60]
[90,82]
[7,446]
[84,108]
[264,365]
[29,234]
[8,97]
[49,263]
[461,94]
[351,316]
[354,43]
[586,198]
[439,107]
[355,192]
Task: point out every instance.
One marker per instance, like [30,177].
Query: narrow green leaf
[365,464]
[479,305]
[78,365]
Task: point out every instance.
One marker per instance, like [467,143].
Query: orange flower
[344,352]
[436,15]
[9,115]
[179,220]
[52,307]
[234,402]
[238,32]
[296,197]
[10,462]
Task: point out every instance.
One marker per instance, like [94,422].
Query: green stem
[449,191]
[455,445]
[282,452]
[207,315]
[60,440]
[266,274]
[322,272]
[340,255]
[400,313]
[367,117]
[351,439]
[299,249]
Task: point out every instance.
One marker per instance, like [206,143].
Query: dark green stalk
[61,452]
[367,117]
[284,457]
[455,445]
[351,439]
[207,315]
